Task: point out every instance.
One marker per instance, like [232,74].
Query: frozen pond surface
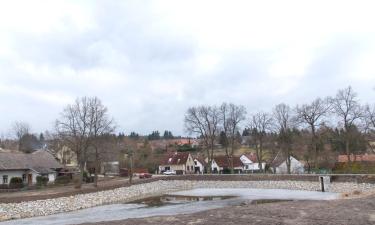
[175,206]
[246,193]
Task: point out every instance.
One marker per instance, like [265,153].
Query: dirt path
[338,212]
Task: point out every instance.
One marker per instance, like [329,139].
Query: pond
[190,201]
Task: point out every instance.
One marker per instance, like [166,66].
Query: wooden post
[130,155]
[321,178]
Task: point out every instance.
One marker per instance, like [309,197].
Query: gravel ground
[126,194]
[360,211]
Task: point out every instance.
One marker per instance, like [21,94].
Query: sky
[148,61]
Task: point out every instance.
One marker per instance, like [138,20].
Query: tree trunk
[347,150]
[231,156]
[288,162]
[131,170]
[231,165]
[209,162]
[228,156]
[78,183]
[212,151]
[96,168]
[315,148]
[260,155]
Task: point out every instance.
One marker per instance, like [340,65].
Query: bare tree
[260,124]
[100,125]
[285,123]
[20,129]
[231,117]
[204,121]
[349,111]
[369,117]
[79,125]
[369,124]
[313,116]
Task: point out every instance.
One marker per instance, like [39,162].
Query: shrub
[62,180]
[42,181]
[4,186]
[355,167]
[226,171]
[87,177]
[16,183]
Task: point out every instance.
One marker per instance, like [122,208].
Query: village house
[200,166]
[186,141]
[250,163]
[369,158]
[280,167]
[180,162]
[67,157]
[220,164]
[28,166]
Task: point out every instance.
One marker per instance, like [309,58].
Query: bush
[355,168]
[42,181]
[4,186]
[226,171]
[63,180]
[16,183]
[87,177]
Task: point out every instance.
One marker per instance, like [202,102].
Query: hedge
[63,180]
[42,181]
[16,183]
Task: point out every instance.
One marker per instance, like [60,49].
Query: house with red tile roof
[221,163]
[356,158]
[251,163]
[186,141]
[180,162]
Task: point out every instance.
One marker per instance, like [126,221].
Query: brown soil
[360,211]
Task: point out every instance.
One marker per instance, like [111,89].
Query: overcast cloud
[148,61]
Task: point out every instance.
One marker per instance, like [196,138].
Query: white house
[250,163]
[180,162]
[200,166]
[220,164]
[28,166]
[280,166]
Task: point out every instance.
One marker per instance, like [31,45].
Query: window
[5,179]
[188,168]
[24,178]
[192,168]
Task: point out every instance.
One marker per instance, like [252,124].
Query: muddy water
[163,200]
[184,202]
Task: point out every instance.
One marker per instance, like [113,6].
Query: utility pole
[130,158]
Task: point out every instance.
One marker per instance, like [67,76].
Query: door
[29,179]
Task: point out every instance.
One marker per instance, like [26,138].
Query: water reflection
[176,199]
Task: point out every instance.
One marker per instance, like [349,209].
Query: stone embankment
[139,191]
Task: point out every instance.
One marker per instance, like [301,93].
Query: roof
[42,170]
[177,158]
[202,161]
[252,157]
[39,160]
[280,158]
[222,161]
[357,158]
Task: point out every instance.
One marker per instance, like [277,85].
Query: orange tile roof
[357,158]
